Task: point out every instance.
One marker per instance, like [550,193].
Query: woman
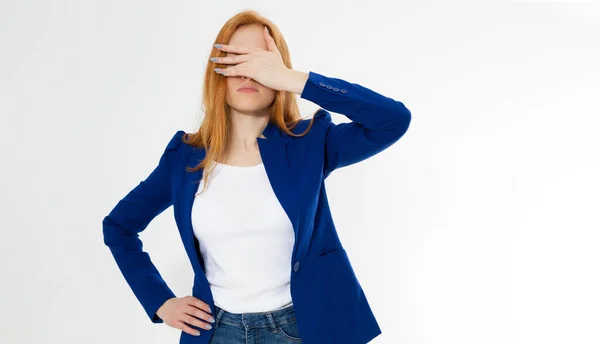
[269,266]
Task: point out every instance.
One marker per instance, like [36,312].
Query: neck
[245,128]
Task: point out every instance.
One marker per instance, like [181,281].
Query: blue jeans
[274,327]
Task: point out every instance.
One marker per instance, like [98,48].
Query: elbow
[390,131]
[108,230]
[402,121]
[113,232]
[118,233]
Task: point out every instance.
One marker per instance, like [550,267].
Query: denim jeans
[273,327]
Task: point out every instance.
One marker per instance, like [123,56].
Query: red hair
[213,133]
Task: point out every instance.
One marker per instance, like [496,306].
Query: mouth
[247,89]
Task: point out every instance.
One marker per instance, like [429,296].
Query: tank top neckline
[239,167]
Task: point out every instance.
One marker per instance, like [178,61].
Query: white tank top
[245,238]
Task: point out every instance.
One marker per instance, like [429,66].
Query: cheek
[268,92]
[230,83]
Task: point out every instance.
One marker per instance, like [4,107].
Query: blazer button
[343,91]
[329,86]
[296,266]
[335,89]
[321,83]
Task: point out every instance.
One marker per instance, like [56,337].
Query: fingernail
[218,46]
[208,327]
[211,319]
[214,59]
[197,333]
[218,70]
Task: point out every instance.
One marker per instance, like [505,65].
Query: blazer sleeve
[376,123]
[131,215]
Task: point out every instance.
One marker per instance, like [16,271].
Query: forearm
[295,81]
[362,105]
[377,121]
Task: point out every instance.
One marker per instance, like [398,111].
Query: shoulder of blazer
[174,153]
[322,119]
[176,140]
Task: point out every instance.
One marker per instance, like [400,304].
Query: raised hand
[264,66]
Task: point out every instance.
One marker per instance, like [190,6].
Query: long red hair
[213,133]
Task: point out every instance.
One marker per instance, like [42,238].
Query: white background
[479,226]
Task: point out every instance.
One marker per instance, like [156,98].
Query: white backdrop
[489,232]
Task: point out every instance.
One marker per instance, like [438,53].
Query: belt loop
[271,322]
[218,317]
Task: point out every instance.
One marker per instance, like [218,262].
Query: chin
[249,106]
[248,109]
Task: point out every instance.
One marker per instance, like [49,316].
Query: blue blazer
[330,304]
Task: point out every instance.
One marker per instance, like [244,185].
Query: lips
[247,88]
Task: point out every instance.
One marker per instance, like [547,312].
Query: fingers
[190,320]
[230,59]
[185,328]
[195,309]
[226,71]
[237,70]
[196,302]
[270,41]
[234,49]
[198,313]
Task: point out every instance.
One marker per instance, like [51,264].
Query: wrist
[295,81]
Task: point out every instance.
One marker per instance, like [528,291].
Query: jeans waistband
[269,319]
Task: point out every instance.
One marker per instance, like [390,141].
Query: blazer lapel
[191,183]
[274,154]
